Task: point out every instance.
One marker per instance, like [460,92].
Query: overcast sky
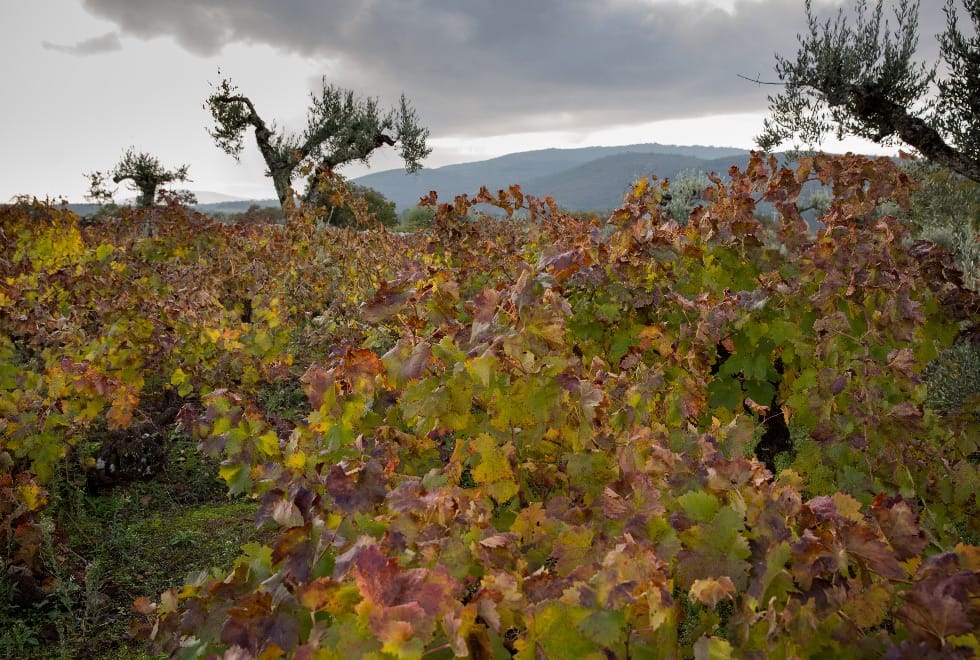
[84,79]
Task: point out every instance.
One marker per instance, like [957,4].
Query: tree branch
[870,104]
[757,81]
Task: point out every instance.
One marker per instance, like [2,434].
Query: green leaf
[482,368]
[236,476]
[490,465]
[104,251]
[701,506]
[554,632]
[760,391]
[604,627]
[713,648]
[725,392]
[589,471]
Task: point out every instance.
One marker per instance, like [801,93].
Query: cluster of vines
[534,437]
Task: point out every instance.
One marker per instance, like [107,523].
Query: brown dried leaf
[143,605]
[357,491]
[387,301]
[900,525]
[864,544]
[712,591]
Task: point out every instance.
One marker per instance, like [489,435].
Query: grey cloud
[477,67]
[95,46]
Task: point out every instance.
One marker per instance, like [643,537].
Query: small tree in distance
[146,175]
[860,78]
[417,217]
[685,192]
[341,128]
[375,205]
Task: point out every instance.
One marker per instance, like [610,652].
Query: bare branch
[758,81]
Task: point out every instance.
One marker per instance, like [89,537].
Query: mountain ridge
[565,174]
[580,179]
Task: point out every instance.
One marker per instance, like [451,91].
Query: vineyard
[537,436]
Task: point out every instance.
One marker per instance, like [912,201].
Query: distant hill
[227,204]
[209,197]
[600,184]
[586,179]
[236,206]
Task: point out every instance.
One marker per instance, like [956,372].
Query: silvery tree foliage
[146,175]
[341,128]
[858,75]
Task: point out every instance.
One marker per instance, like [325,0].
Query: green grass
[135,540]
[953,378]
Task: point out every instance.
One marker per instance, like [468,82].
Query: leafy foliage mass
[532,437]
[945,210]
[341,128]
[145,173]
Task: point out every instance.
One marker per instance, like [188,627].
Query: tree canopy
[341,128]
[859,76]
[686,191]
[347,204]
[144,172]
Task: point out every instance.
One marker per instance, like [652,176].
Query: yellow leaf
[661,611]
[221,426]
[847,506]
[228,472]
[869,607]
[493,465]
[296,461]
[178,377]
[33,496]
[103,251]
[188,591]
[502,491]
[268,443]
[640,187]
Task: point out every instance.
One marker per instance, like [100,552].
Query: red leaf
[941,603]
[485,310]
[317,380]
[358,490]
[813,557]
[387,301]
[294,549]
[143,605]
[316,595]
[384,583]
[900,525]
[863,543]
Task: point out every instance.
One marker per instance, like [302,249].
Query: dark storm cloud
[510,65]
[94,46]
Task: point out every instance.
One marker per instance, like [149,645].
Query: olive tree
[341,128]
[945,210]
[416,217]
[685,192]
[146,175]
[345,204]
[859,76]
